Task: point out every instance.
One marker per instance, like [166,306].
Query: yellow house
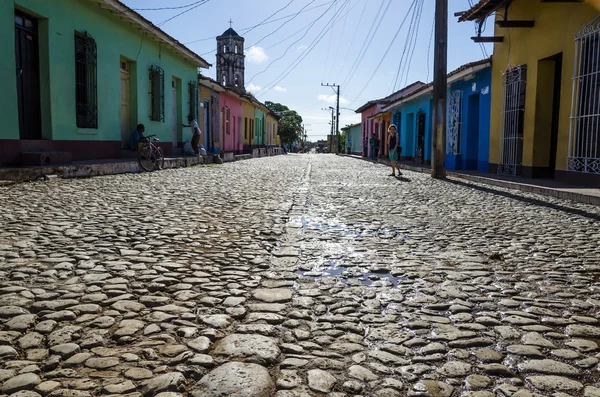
[545,93]
[248,111]
[271,135]
[209,119]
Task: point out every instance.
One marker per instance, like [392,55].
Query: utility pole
[336,89]
[439,89]
[332,125]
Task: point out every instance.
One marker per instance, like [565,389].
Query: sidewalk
[546,187]
[84,169]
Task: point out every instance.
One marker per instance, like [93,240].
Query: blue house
[412,115]
[468,119]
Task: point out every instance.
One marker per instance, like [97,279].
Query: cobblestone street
[297,275]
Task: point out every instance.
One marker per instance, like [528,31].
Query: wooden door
[28,76]
[174,134]
[125,112]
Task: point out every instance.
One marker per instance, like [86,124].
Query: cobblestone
[299,275]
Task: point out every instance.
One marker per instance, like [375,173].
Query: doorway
[547,116]
[472,151]
[28,76]
[174,134]
[206,125]
[125,107]
[420,154]
[557,59]
[410,135]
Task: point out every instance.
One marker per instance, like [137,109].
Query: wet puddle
[353,276]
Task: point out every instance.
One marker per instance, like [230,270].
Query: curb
[11,176]
[523,187]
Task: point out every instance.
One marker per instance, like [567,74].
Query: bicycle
[150,157]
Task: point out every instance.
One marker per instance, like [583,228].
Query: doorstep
[543,187]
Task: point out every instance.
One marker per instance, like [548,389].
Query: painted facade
[231,121]
[468,130]
[412,115]
[354,135]
[549,127]
[271,134]
[370,124]
[248,115]
[259,126]
[210,113]
[87,59]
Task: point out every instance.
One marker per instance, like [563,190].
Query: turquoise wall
[355,135]
[114,39]
[405,117]
[259,132]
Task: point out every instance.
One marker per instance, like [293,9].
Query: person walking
[195,133]
[394,148]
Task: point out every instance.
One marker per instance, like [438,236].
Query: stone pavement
[298,275]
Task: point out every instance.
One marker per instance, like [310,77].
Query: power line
[245,30]
[202,2]
[416,34]
[407,45]
[340,42]
[327,53]
[307,52]
[389,46]
[269,17]
[368,41]
[283,24]
[429,49]
[362,14]
[167,8]
[295,42]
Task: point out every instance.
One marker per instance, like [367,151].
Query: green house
[79,75]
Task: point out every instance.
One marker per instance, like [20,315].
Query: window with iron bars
[193,91]
[584,139]
[157,94]
[86,92]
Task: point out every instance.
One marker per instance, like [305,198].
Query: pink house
[368,110]
[231,121]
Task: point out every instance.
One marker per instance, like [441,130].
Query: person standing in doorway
[394,148]
[374,146]
[195,133]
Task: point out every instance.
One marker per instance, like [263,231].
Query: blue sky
[308,42]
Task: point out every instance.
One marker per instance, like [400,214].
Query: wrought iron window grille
[193,100]
[86,87]
[584,131]
[454,122]
[157,94]
[514,83]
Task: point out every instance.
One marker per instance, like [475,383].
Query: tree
[290,122]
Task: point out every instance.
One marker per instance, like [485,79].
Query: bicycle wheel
[160,158]
[147,159]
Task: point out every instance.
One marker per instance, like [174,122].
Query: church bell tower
[230,60]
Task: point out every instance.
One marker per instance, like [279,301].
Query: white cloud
[280,89]
[302,48]
[331,99]
[253,87]
[256,55]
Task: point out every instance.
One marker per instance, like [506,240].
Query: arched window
[236,49]
[224,79]
[237,80]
